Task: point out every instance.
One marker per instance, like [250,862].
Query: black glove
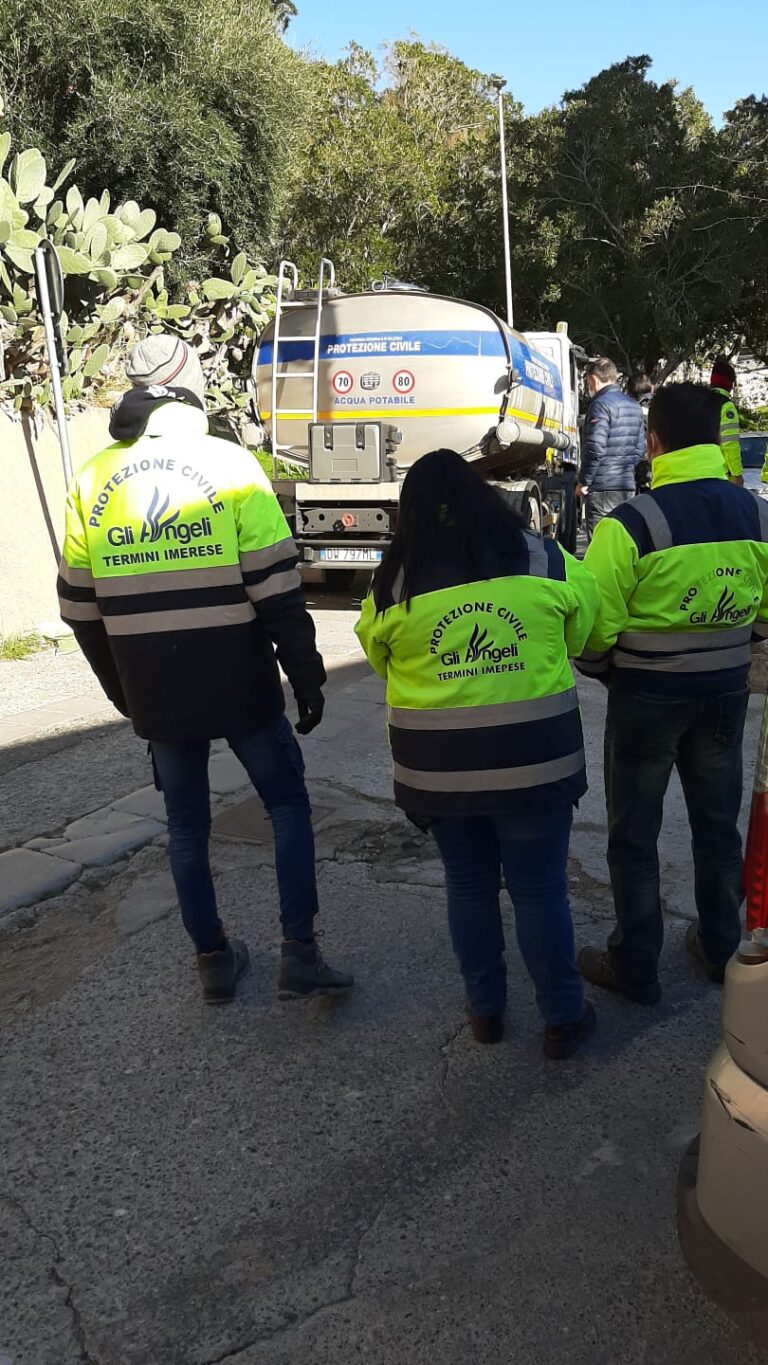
[311,710]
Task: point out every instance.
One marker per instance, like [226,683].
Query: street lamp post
[500,83]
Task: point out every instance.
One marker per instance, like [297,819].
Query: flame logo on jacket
[479,641]
[156,521]
[724,605]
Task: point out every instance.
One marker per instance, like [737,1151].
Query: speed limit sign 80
[403,381]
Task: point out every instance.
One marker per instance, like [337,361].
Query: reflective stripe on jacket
[682,572]
[730,431]
[179,579]
[482,708]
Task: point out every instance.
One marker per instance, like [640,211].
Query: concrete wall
[32,513]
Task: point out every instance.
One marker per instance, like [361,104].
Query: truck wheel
[568,528]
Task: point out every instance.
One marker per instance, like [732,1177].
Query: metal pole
[44,300]
[500,84]
[325,264]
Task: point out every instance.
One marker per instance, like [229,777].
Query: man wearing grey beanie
[179,579]
[167,360]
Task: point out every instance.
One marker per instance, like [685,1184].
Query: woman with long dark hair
[472,620]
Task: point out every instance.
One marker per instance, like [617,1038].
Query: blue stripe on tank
[536,371]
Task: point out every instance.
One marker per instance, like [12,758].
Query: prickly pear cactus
[112,259]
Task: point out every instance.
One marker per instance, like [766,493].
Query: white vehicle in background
[754,452]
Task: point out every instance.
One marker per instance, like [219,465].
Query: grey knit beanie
[165,359]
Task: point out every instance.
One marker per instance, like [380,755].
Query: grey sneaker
[220,971]
[303,973]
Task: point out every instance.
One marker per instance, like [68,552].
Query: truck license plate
[351,556]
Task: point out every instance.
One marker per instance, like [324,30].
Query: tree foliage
[188,108]
[653,232]
[745,142]
[632,216]
[400,176]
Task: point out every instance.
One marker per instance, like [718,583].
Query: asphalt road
[268,1184]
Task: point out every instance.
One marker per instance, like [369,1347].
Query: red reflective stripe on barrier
[756,857]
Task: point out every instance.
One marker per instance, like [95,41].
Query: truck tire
[568,528]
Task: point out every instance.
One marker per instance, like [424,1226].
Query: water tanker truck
[353,388]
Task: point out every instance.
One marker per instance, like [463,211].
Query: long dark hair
[447,514]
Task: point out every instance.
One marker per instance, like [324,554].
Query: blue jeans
[646,737]
[274,763]
[533,850]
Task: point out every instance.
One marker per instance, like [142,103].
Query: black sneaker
[696,949]
[303,973]
[562,1040]
[596,967]
[220,971]
[486,1028]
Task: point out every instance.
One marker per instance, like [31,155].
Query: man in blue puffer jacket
[613,443]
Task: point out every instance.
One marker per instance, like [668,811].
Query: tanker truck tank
[437,371]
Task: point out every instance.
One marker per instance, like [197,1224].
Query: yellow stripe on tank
[362,414]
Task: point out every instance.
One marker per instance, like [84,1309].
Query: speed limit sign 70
[342,381]
[403,381]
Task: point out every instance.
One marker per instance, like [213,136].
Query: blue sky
[720,49]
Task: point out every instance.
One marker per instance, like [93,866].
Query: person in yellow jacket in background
[723,380]
[471,621]
[179,580]
[683,577]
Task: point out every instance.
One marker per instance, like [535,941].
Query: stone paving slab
[99,850]
[147,802]
[30,725]
[104,821]
[226,774]
[27,876]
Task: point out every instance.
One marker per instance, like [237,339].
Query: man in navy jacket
[613,443]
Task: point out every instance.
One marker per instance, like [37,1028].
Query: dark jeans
[533,850]
[646,736]
[603,501]
[274,763]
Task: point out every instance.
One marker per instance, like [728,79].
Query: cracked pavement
[351,1181]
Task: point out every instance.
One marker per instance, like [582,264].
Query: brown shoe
[220,971]
[597,967]
[696,949]
[562,1040]
[486,1028]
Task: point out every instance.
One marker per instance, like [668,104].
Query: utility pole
[500,83]
[50,282]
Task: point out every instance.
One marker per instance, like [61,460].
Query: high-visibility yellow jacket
[730,430]
[682,573]
[483,714]
[179,579]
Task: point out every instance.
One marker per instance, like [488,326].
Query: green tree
[744,141]
[189,108]
[401,176]
[651,261]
